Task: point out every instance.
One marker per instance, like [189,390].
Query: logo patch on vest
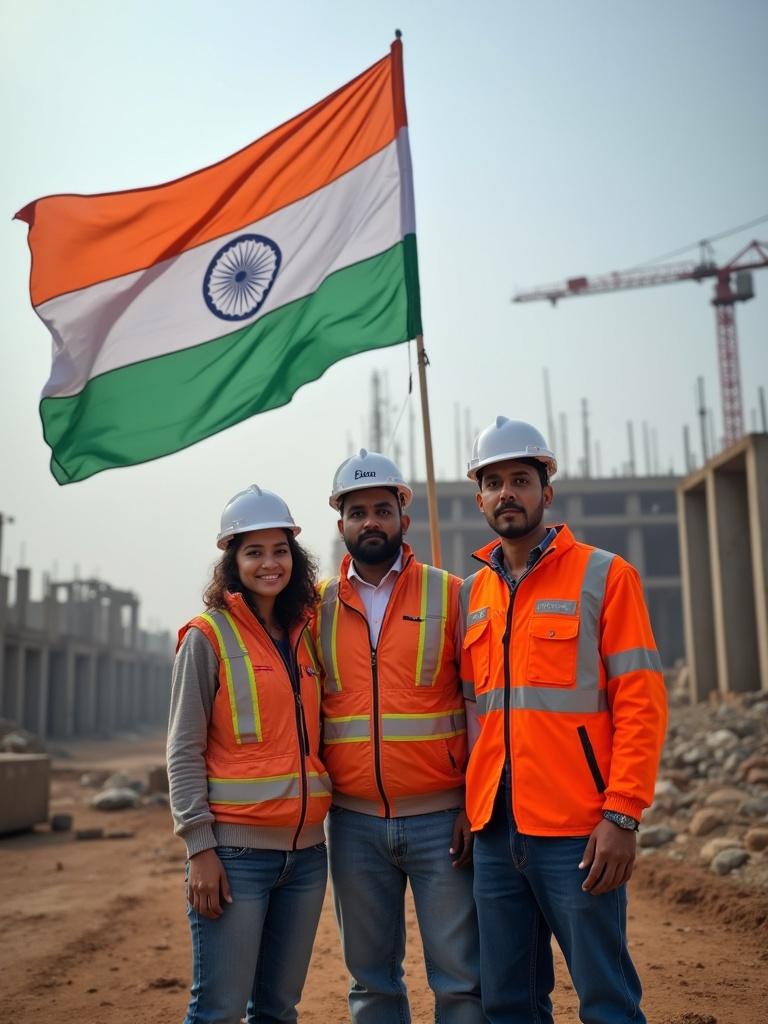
[555,606]
[477,616]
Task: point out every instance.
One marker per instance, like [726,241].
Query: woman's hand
[207,884]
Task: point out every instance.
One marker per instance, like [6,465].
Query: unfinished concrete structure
[723,511]
[76,663]
[634,516]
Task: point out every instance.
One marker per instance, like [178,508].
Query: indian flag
[181,309]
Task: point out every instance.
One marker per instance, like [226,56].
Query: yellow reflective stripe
[251,678]
[227,674]
[346,729]
[327,623]
[434,612]
[403,727]
[423,624]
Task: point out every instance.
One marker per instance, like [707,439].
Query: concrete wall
[24,782]
[724,545]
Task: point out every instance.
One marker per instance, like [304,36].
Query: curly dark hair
[297,600]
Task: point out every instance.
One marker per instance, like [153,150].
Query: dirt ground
[93,932]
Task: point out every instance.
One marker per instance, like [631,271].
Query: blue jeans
[371,859]
[252,961]
[528,888]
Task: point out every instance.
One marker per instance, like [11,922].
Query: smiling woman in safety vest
[248,790]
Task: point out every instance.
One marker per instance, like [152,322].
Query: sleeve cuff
[198,839]
[624,805]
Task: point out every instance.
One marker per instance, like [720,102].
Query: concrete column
[757,499]
[636,548]
[13,668]
[4,581]
[698,615]
[734,601]
[22,597]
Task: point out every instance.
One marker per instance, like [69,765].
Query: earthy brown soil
[93,932]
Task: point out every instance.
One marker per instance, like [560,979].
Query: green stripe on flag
[161,405]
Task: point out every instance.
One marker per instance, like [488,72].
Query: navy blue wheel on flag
[240,276]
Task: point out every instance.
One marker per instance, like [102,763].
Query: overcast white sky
[549,140]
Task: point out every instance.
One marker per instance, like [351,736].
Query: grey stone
[89,833]
[728,860]
[722,738]
[115,800]
[754,807]
[712,847]
[61,822]
[655,835]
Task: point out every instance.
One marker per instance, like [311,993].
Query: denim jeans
[526,889]
[371,859]
[252,961]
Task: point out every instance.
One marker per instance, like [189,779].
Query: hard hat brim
[222,541]
[549,462]
[403,491]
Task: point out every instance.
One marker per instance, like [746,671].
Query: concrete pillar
[4,581]
[636,548]
[734,602]
[105,693]
[22,597]
[85,693]
[12,669]
[757,498]
[698,614]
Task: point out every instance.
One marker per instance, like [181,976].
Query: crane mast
[752,257]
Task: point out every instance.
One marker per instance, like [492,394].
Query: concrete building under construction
[76,663]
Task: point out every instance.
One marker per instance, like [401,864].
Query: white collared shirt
[375,599]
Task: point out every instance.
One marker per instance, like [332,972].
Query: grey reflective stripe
[434,613]
[491,700]
[555,606]
[545,698]
[424,727]
[464,595]
[352,729]
[238,670]
[468,689]
[636,659]
[328,615]
[319,785]
[590,607]
[480,615]
[253,791]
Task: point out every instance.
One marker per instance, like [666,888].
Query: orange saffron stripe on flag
[77,241]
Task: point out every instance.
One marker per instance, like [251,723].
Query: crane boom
[752,257]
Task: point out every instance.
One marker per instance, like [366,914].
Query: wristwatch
[622,820]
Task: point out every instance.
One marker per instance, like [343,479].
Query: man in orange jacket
[559,652]
[388,639]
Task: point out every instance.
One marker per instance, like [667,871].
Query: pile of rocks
[120,791]
[711,803]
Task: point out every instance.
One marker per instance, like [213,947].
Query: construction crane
[733,283]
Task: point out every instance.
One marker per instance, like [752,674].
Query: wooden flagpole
[434,525]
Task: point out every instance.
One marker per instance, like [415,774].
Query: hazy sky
[549,139]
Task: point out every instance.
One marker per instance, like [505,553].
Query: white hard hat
[509,439]
[254,509]
[368,469]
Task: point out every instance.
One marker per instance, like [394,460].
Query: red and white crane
[733,283]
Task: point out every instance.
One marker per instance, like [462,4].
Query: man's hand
[461,841]
[610,851]
[207,884]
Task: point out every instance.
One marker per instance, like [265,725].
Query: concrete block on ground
[24,791]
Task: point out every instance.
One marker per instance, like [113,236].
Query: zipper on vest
[375,731]
[302,735]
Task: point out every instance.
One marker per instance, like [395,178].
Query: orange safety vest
[569,689]
[394,726]
[262,754]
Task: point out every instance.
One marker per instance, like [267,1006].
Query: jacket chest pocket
[476,656]
[553,643]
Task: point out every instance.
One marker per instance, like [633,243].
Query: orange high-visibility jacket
[262,756]
[394,726]
[569,690]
